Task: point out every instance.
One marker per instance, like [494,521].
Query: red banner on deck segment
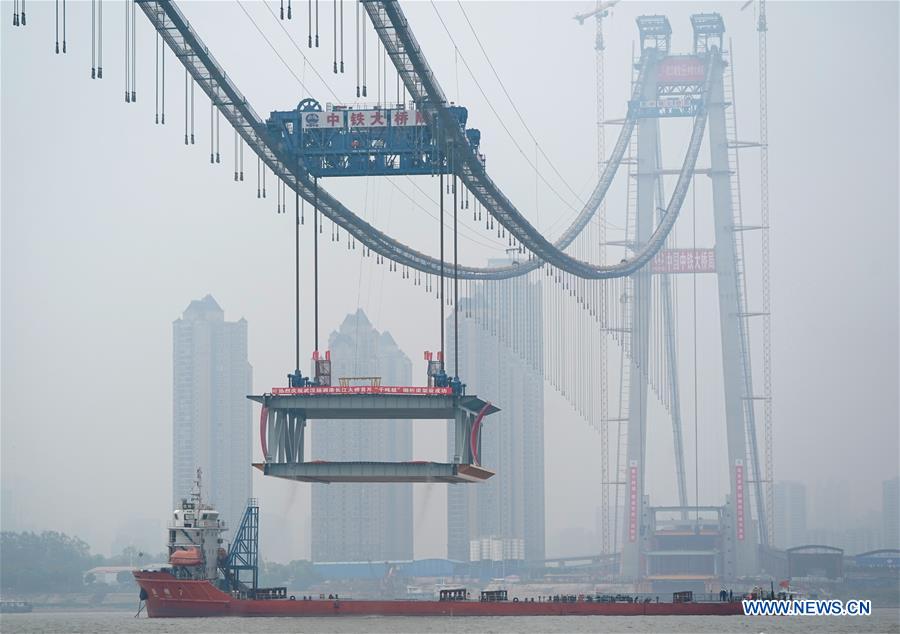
[362,389]
[681,69]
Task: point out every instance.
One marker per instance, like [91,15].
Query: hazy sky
[110,226]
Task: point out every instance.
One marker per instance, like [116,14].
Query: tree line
[55,562]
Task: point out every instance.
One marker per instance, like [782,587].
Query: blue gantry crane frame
[368,141]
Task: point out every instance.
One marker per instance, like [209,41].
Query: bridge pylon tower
[734,551]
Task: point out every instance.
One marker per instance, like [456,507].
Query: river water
[882,620]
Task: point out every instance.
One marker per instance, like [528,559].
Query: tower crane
[600,11]
[762,28]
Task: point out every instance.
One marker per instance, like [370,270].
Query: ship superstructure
[195,537]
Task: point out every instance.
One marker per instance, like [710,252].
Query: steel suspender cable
[212,132]
[57,26]
[357,50]
[127,51]
[264,180]
[241,149]
[289,10]
[64,25]
[93,38]
[186,79]
[258,190]
[363,26]
[455,286]
[99,35]
[317,23]
[218,145]
[342,36]
[133,53]
[156,80]
[163,84]
[696,390]
[192,112]
[282,9]
[235,155]
[334,19]
[309,24]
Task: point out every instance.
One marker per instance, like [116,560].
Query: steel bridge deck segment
[376,472]
[284,418]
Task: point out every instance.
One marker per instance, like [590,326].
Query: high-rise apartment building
[363,522]
[890,512]
[503,518]
[790,514]
[211,416]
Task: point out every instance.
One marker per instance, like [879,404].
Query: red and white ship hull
[171,597]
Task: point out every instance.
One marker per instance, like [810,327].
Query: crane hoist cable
[441,289]
[316,232]
[297,283]
[455,283]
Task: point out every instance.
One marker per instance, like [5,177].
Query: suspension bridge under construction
[607,308]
